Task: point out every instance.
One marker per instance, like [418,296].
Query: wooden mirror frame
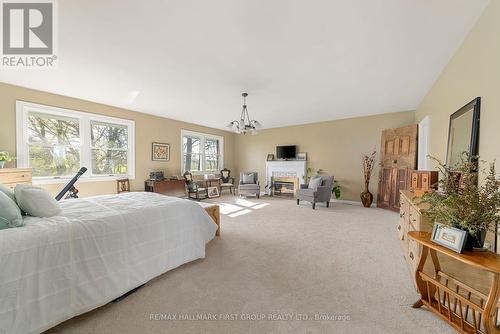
[475,107]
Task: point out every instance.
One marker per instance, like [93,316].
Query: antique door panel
[398,154]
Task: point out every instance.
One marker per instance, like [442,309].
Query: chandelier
[244,125]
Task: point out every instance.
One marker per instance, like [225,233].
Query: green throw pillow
[7,191]
[10,214]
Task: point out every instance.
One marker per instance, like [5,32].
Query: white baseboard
[344,201]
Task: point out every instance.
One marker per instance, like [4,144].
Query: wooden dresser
[175,188]
[12,176]
[411,219]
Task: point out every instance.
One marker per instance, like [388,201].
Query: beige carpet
[275,264]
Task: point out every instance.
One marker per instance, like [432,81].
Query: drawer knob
[411,255]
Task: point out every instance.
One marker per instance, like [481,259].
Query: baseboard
[345,201]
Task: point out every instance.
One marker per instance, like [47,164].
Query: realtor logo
[28,34]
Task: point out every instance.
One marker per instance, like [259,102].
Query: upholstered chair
[319,189]
[226,181]
[195,190]
[249,184]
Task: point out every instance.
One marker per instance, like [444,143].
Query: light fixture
[245,125]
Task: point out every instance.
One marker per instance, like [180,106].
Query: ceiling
[301,61]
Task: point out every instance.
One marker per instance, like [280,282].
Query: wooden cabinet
[13,176]
[411,219]
[423,180]
[175,188]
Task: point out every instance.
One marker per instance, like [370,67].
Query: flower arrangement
[368,162]
[5,157]
[463,201]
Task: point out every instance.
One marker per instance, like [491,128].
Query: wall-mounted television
[288,152]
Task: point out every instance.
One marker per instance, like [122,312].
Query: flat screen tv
[286,152]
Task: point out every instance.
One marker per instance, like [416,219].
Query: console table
[175,188]
[461,305]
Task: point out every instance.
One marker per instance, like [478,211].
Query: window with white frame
[201,152]
[57,142]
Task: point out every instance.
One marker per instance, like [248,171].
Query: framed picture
[449,237]
[213,192]
[302,156]
[161,152]
[270,157]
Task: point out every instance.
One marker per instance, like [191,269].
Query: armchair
[321,193]
[193,187]
[249,184]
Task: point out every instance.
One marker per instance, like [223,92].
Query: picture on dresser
[302,156]
[449,237]
[161,152]
[270,157]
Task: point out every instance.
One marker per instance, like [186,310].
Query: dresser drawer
[15,177]
[413,255]
[13,185]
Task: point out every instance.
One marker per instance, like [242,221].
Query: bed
[99,248]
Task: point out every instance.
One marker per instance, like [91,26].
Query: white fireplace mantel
[296,167]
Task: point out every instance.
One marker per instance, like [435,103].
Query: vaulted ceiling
[300,61]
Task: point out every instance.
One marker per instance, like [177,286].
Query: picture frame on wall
[302,156]
[449,237]
[270,157]
[213,192]
[160,152]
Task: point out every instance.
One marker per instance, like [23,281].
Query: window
[201,152]
[57,142]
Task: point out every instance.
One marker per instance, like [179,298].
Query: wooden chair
[200,192]
[122,185]
[226,181]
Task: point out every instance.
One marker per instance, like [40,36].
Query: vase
[475,241]
[366,198]
[2,164]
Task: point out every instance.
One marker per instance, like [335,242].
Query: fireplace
[286,174]
[285,186]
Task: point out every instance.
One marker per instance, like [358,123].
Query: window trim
[203,136]
[22,110]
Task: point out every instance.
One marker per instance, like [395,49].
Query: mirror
[463,134]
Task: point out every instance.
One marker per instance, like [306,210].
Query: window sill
[64,180]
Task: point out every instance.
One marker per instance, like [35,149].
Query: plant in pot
[368,162]
[464,201]
[5,157]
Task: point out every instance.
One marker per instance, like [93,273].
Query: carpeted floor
[275,265]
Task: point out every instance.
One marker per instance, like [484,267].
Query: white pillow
[35,201]
[315,183]
[248,178]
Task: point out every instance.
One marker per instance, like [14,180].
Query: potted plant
[464,201]
[368,162]
[5,157]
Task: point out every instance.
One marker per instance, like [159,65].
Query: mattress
[99,248]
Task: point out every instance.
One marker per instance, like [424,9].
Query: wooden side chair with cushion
[226,181]
[122,186]
[195,190]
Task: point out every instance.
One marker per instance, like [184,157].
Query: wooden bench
[214,212]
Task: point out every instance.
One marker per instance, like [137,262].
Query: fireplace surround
[286,172]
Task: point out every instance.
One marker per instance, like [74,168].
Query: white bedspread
[55,268]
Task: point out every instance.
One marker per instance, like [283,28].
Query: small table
[462,306]
[214,212]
